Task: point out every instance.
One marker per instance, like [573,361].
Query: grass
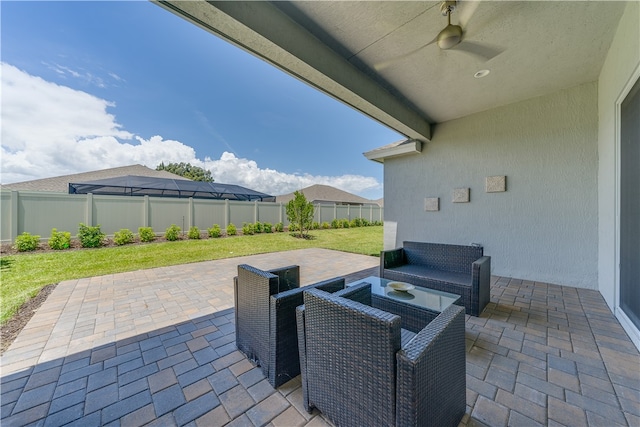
[23,275]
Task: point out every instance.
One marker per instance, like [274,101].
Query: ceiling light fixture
[482,73]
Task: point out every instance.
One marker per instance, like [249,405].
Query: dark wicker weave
[356,371]
[458,269]
[265,303]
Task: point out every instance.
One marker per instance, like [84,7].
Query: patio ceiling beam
[266,32]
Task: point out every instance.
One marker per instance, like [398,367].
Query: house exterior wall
[544,227]
[621,64]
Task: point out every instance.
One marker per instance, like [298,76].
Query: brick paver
[157,347]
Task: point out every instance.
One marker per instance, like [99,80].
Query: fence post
[89,217]
[13,233]
[255,211]
[226,213]
[335,211]
[190,223]
[145,212]
[280,213]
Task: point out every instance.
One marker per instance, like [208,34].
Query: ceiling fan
[453,36]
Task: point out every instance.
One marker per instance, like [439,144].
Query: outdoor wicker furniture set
[367,355]
[458,269]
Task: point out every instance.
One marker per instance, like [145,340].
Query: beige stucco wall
[621,65]
[544,227]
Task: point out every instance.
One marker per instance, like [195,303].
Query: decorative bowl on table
[401,286]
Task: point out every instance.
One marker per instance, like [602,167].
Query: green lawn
[22,276]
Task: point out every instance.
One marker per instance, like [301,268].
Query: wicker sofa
[265,304]
[360,369]
[458,269]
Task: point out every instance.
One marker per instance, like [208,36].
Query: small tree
[300,212]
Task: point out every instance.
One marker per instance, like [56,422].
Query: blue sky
[91,85]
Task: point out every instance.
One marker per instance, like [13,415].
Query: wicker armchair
[265,304]
[357,371]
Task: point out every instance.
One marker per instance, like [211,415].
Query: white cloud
[50,130]
[87,77]
[231,169]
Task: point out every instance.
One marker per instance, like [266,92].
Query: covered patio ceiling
[356,51]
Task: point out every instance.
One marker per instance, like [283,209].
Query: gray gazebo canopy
[131,185]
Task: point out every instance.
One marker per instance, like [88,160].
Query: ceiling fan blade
[466,9]
[389,62]
[482,51]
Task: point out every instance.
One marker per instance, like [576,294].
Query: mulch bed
[10,329]
[9,249]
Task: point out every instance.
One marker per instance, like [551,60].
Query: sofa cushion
[442,256]
[430,273]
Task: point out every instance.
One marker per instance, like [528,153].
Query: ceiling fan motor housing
[450,36]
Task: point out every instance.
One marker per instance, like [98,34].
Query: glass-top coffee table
[417,306]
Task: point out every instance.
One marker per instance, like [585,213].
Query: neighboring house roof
[131,185]
[326,194]
[60,184]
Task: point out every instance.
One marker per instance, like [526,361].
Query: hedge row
[93,237]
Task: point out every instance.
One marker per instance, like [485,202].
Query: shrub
[26,242]
[231,230]
[146,234]
[214,231]
[60,239]
[325,225]
[365,222]
[123,237]
[267,227]
[356,222]
[247,229]
[315,225]
[335,223]
[344,223]
[279,227]
[194,232]
[90,237]
[258,227]
[293,227]
[172,233]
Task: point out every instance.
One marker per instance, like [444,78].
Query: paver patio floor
[157,347]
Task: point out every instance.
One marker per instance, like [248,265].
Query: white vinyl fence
[39,212]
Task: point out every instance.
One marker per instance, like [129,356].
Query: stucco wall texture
[545,226]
